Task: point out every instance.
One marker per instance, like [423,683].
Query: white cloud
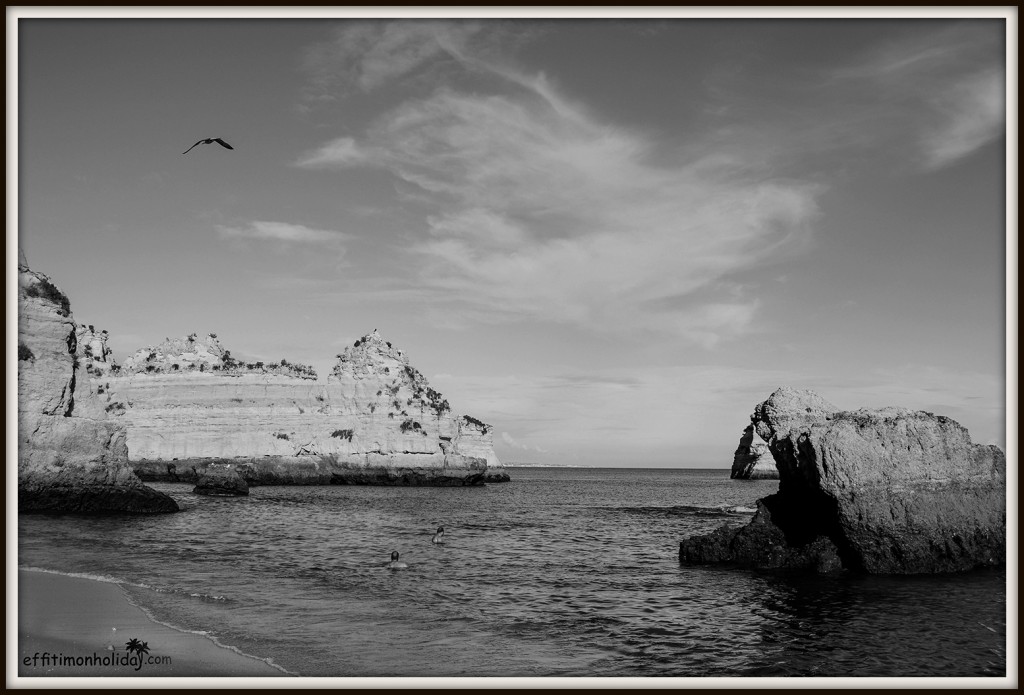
[969,114]
[546,213]
[283,232]
[946,86]
[341,152]
[538,210]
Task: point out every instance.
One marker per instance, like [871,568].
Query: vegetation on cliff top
[484,427]
[194,355]
[44,289]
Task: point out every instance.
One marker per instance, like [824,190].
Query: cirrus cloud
[970,113]
[283,232]
[543,212]
[947,88]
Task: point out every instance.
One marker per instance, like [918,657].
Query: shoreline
[79,627]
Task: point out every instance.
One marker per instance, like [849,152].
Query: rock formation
[376,420]
[497,475]
[96,354]
[221,480]
[886,491]
[71,457]
[753,460]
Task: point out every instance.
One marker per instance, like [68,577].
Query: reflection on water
[561,572]
[890,626]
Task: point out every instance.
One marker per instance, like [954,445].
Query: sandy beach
[70,626]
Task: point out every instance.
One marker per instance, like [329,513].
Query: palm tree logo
[134,645]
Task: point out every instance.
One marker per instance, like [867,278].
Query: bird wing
[223,144]
[190,149]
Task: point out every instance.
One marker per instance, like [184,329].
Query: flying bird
[207,141]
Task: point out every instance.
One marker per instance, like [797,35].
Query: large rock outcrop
[71,456]
[375,420]
[891,490]
[753,460]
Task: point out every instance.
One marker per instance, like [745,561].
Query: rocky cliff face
[71,457]
[375,416]
[888,490]
[753,460]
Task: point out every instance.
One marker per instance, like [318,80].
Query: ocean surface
[562,572]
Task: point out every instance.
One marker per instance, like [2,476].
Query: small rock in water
[221,480]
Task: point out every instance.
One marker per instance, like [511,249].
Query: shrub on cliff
[484,427]
[437,402]
[44,289]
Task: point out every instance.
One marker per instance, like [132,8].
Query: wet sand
[66,627]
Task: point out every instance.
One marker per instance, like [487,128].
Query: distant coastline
[529,464]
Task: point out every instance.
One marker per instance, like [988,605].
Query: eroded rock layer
[71,456]
[892,490]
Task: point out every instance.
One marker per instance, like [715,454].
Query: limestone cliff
[71,457]
[753,460]
[188,403]
[879,491]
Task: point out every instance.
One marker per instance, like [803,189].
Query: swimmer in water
[395,564]
[439,536]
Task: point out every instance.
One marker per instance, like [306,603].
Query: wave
[724,510]
[205,634]
[107,579]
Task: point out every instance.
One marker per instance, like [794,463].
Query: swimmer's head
[394,556]
[440,530]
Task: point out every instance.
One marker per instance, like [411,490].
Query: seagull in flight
[207,141]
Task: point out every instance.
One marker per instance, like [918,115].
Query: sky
[608,238]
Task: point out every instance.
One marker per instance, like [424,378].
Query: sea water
[561,572]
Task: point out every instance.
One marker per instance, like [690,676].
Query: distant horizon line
[517,464]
